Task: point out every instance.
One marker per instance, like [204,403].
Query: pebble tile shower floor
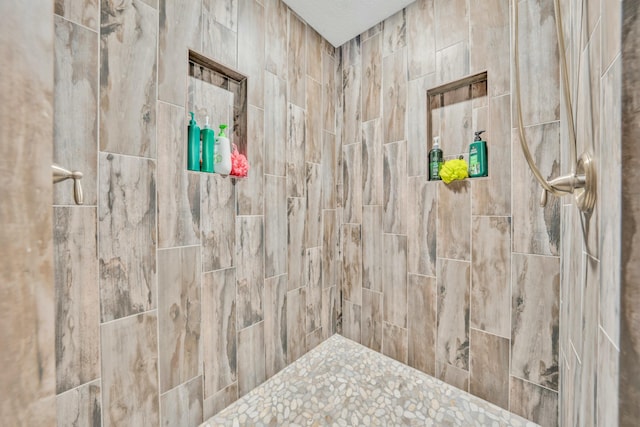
[342,383]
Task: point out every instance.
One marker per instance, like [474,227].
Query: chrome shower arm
[61,174]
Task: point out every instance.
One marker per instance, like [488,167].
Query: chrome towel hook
[62,174]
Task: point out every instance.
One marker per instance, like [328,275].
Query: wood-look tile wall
[177,292]
[473,282]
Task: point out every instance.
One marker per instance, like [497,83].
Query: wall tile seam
[171,104]
[71,21]
[610,66]
[74,206]
[534,384]
[575,352]
[488,333]
[127,317]
[199,374]
[535,255]
[131,156]
[532,125]
[170,248]
[247,327]
[454,259]
[76,388]
[602,330]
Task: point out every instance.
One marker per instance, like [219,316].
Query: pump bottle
[193,146]
[208,141]
[222,157]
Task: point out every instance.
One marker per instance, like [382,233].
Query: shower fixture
[582,179]
[62,174]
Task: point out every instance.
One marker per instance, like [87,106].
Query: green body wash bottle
[478,157]
[435,160]
[208,142]
[193,146]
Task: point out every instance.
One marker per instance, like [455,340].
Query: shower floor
[342,383]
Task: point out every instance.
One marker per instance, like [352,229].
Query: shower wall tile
[128,41]
[178,190]
[372,78]
[394,279]
[275,324]
[330,248]
[251,51]
[489,368]
[452,62]
[491,275]
[329,170]
[422,225]
[394,33]
[454,220]
[313,128]
[182,406]
[395,187]
[219,351]
[352,321]
[453,313]
[394,342]
[609,173]
[328,92]
[297,48]
[422,323]
[607,373]
[77,299]
[352,176]
[313,211]
[611,18]
[536,230]
[489,43]
[75,121]
[351,241]
[275,123]
[220,400]
[372,248]
[81,406]
[251,358]
[223,11]
[178,315]
[314,54]
[492,196]
[372,320]
[314,339]
[456,122]
[421,39]
[372,160]
[457,377]
[249,270]
[179,30]
[539,67]
[217,223]
[296,209]
[452,22]
[296,323]
[127,230]
[417,161]
[129,349]
[218,42]
[329,311]
[394,87]
[276,33]
[313,282]
[86,12]
[533,402]
[351,91]
[275,226]
[249,191]
[296,167]
[534,335]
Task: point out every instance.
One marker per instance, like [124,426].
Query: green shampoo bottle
[193,146]
[478,157]
[208,146]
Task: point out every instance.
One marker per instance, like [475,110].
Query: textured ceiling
[339,21]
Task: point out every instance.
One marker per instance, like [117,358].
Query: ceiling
[339,21]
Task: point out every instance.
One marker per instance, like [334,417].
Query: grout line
[609,338]
[489,333]
[71,21]
[78,387]
[109,322]
[532,383]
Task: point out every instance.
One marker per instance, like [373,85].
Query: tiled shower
[173,293]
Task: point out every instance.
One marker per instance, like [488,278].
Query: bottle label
[474,166]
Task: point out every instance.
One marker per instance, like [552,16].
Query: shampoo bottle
[435,160]
[193,146]
[478,157]
[208,142]
[222,153]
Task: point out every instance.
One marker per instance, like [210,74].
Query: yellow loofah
[454,169]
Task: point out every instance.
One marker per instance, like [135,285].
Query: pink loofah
[239,163]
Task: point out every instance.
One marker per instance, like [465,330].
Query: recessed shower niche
[455,110]
[220,93]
